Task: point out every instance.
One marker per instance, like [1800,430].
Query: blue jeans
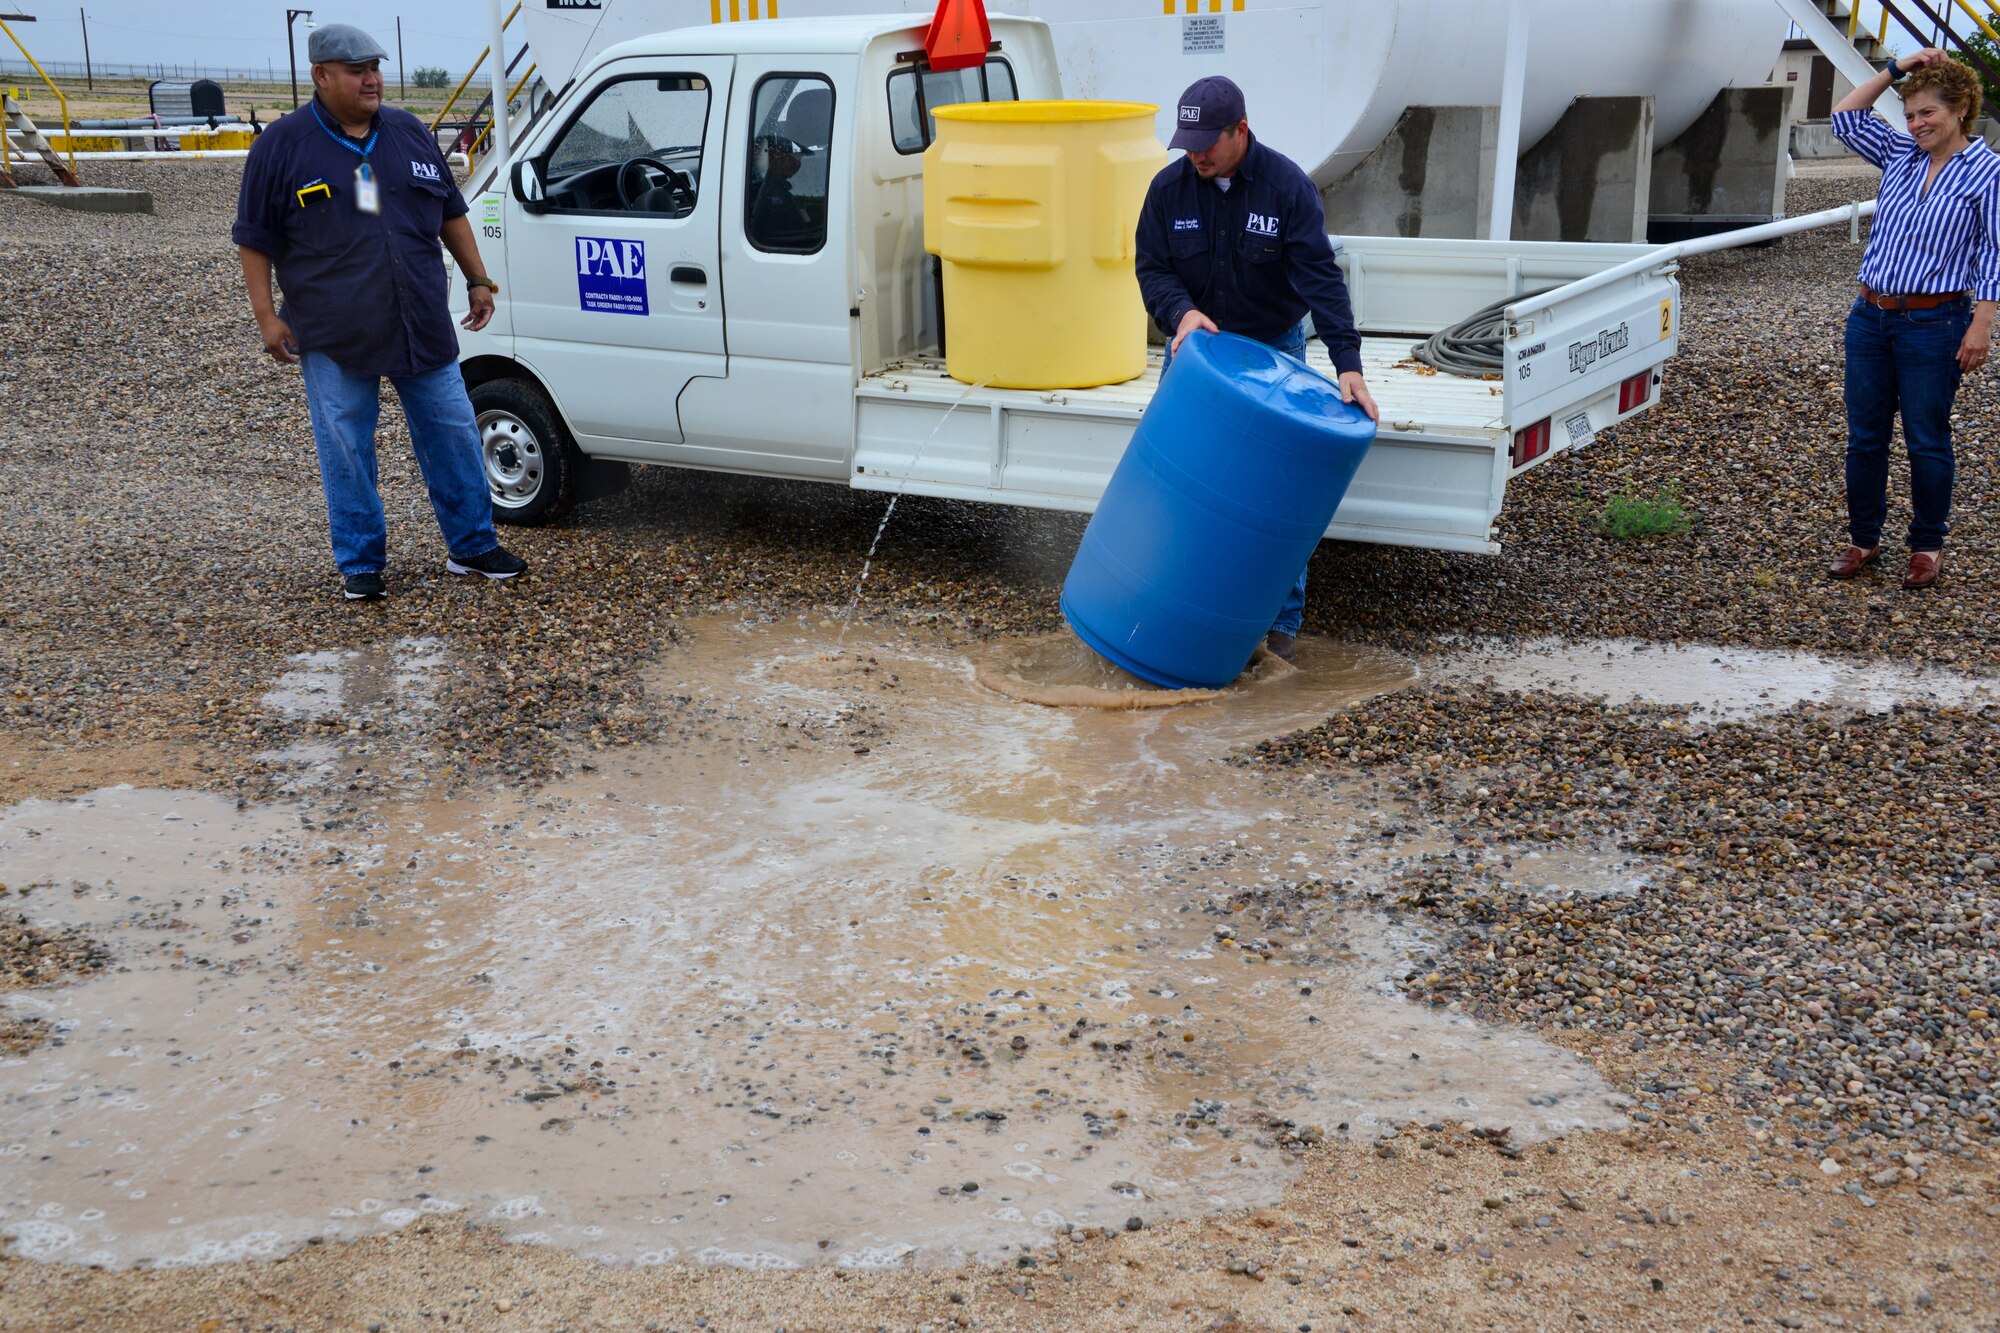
[444,435]
[1907,360]
[1293,613]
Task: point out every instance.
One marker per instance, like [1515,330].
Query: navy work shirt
[369,290]
[1254,258]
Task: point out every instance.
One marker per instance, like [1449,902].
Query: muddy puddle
[1716,683]
[868,963]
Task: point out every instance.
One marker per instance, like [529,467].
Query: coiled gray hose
[1471,347]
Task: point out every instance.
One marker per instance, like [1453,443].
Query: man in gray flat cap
[348,200]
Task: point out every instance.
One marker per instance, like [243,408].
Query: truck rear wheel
[531,464]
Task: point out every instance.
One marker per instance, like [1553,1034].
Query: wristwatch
[487,283]
[1896,71]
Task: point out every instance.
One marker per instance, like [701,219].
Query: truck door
[616,281]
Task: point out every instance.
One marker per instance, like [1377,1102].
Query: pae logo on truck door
[611,275]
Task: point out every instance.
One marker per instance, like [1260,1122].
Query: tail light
[1531,443]
[1635,391]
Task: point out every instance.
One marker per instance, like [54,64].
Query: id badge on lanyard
[367,195]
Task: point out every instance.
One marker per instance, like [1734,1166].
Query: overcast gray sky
[242,33]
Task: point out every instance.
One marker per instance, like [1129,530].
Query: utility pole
[88,78]
[291,17]
[402,89]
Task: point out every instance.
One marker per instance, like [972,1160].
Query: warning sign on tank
[1201,35]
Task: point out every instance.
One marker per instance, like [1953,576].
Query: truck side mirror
[528,188]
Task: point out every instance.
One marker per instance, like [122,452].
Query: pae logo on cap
[1191,113]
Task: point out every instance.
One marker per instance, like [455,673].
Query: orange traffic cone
[959,35]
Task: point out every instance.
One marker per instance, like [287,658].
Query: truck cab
[711,255]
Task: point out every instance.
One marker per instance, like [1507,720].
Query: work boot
[1280,644]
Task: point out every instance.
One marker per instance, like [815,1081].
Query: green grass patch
[1629,516]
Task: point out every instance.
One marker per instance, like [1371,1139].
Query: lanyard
[363,151]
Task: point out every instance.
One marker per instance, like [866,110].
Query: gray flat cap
[342,44]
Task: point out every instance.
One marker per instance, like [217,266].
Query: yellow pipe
[484,52]
[61,101]
[489,124]
[1853,19]
[1984,26]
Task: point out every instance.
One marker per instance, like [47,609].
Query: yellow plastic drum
[1033,206]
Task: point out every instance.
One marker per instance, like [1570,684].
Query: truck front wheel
[529,460]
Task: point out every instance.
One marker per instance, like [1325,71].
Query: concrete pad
[1433,176]
[1589,178]
[86,198]
[1731,163]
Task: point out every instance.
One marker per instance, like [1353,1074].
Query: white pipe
[1507,152]
[166,132]
[183,155]
[200,154]
[1849,214]
[496,39]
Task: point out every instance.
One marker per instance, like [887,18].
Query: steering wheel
[633,182]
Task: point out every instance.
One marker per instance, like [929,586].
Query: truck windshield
[912,100]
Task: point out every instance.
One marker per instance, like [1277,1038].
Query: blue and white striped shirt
[1945,241]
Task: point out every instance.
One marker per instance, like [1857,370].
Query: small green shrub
[1628,516]
[429,76]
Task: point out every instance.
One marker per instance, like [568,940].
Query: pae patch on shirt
[1263,224]
[425,171]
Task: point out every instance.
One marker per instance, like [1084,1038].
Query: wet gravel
[1822,891]
[161,521]
[32,956]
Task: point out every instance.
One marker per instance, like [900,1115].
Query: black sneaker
[498,563]
[363,587]
[1281,644]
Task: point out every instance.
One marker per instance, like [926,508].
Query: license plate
[1579,430]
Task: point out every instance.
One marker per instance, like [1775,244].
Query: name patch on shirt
[611,275]
[425,171]
[1187,224]
[1263,224]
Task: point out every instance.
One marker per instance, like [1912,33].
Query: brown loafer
[1924,569]
[1852,561]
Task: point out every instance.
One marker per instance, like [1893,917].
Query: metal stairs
[1854,34]
[21,132]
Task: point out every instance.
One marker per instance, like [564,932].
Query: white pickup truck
[711,255]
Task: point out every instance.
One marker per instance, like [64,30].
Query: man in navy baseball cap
[1232,238]
[1208,108]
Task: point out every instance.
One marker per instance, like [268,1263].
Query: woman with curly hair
[1930,281]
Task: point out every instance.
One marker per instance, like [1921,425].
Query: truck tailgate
[1434,478]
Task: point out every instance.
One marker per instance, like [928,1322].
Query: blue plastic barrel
[1227,486]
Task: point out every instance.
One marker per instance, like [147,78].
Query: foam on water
[861,934]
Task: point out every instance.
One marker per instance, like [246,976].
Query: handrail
[487,128]
[484,52]
[1973,14]
[1665,255]
[61,101]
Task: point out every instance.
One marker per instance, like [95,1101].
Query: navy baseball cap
[1206,109]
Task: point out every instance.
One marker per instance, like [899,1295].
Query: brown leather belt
[1919,301]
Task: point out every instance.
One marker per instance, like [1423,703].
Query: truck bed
[1432,478]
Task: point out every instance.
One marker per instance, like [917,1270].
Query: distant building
[1816,85]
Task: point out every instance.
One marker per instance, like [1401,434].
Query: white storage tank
[1326,80]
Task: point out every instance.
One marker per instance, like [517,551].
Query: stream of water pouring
[868,562]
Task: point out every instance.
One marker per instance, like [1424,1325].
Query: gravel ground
[1821,958]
